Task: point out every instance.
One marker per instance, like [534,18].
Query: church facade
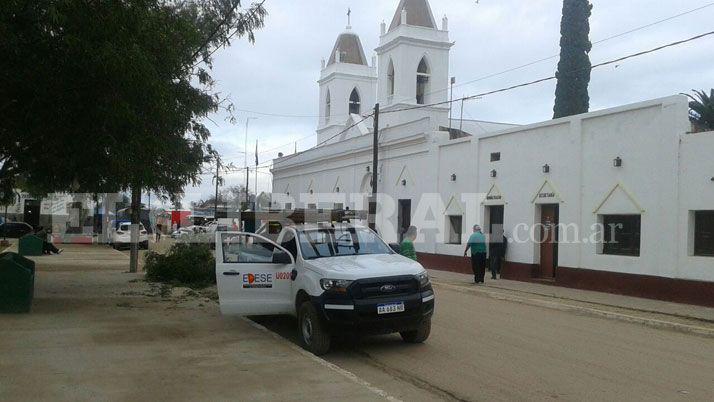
[620,200]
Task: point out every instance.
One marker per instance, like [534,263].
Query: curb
[605,305]
[650,322]
[345,373]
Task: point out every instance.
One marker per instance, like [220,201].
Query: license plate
[390,308]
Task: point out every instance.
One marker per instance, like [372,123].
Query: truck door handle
[231,273]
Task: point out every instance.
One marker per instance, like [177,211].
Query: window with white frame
[622,234]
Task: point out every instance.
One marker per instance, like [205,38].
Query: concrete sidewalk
[98,333]
[683,317]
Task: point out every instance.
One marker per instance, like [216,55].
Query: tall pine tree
[571,93]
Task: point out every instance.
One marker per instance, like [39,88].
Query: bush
[186,264]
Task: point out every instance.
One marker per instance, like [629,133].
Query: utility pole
[247,171]
[461,124]
[451,101]
[218,181]
[372,219]
[135,220]
[256,175]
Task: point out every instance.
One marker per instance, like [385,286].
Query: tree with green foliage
[571,93]
[701,110]
[100,96]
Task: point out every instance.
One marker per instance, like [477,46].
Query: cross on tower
[349,17]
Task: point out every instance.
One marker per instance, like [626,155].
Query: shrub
[187,264]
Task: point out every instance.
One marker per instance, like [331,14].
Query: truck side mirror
[281,257]
[396,247]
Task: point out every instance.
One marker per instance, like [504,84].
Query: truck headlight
[339,285]
[423,279]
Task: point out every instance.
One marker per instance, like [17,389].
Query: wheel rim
[307,330]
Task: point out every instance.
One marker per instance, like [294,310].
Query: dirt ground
[99,333]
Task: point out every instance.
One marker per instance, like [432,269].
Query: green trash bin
[30,245]
[17,283]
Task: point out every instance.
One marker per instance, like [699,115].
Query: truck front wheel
[313,334]
[420,335]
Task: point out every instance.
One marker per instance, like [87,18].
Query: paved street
[483,348]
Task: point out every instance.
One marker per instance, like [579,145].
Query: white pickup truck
[334,278]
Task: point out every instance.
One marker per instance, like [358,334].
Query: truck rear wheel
[420,335]
[313,333]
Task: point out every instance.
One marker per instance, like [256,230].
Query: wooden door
[404,217]
[495,220]
[548,241]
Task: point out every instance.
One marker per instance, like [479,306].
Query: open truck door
[253,275]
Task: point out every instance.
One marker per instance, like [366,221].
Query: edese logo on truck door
[258,281]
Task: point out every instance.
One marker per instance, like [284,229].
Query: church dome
[350,48]
[418,14]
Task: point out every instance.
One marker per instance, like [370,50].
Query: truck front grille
[385,287]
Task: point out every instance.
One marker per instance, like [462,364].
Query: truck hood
[364,266]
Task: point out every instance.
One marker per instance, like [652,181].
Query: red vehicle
[181,218]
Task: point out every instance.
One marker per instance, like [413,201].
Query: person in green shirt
[407,246]
[477,245]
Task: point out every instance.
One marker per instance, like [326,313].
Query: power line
[510,88]
[492,75]
[630,56]
[285,144]
[323,142]
[485,77]
[290,116]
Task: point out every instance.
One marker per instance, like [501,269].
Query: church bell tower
[348,85]
[413,58]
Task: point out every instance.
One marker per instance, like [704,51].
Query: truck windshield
[329,242]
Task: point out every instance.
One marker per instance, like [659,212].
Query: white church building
[619,200]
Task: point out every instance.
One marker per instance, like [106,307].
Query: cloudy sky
[277,75]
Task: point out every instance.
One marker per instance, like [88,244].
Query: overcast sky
[278,74]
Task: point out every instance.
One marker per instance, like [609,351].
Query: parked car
[15,230]
[334,278]
[121,236]
[185,233]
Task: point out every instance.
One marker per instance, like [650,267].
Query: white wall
[696,192]
[660,178]
[666,174]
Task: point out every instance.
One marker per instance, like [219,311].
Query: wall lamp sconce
[288,194]
[453,177]
[311,191]
[546,168]
[337,190]
[494,173]
[617,162]
[404,182]
[367,169]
